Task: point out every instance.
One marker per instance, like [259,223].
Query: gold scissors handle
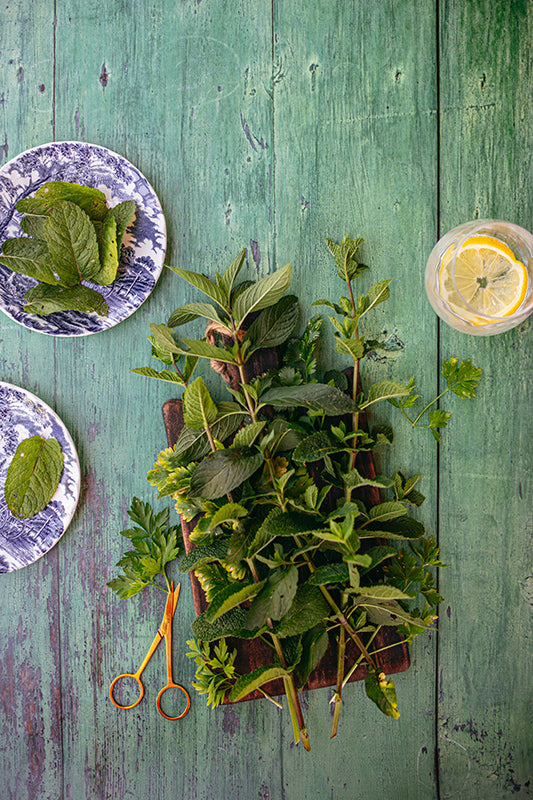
[165,631]
[137,675]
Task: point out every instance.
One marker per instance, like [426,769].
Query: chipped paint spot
[228,212]
[312,69]
[230,722]
[104,76]
[251,137]
[42,87]
[256,254]
[305,204]
[20,75]
[526,589]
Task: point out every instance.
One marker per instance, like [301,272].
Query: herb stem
[413,423]
[337,697]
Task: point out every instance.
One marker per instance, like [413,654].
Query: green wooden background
[271,125]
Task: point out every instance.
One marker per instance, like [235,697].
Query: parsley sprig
[155,545]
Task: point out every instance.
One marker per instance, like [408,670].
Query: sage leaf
[199,410]
[222,471]
[33,476]
[274,325]
[382,592]
[72,243]
[44,299]
[262,294]
[245,684]
[314,396]
[31,257]
[106,235]
[308,609]
[91,201]
[382,692]
[230,597]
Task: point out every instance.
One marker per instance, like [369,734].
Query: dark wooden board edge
[253,653]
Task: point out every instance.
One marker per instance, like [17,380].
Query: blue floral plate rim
[144,243]
[24,541]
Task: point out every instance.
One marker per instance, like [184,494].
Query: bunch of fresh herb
[286,547]
[155,543]
[71,236]
[33,475]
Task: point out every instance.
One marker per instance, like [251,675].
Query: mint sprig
[33,476]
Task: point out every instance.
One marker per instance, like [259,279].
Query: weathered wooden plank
[30,652]
[183,95]
[355,130]
[486,489]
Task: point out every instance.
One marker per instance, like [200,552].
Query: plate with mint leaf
[82,238]
[39,478]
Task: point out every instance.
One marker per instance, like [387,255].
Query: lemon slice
[487,277]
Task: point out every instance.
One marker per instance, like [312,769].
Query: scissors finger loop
[141,692]
[161,693]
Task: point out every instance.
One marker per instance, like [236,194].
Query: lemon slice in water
[487,276]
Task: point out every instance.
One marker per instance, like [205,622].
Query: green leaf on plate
[106,235]
[72,243]
[33,476]
[44,299]
[31,257]
[91,201]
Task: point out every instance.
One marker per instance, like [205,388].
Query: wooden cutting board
[253,653]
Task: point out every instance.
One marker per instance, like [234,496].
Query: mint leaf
[91,201]
[308,609]
[262,294]
[29,256]
[275,598]
[314,396]
[231,596]
[123,214]
[164,375]
[72,243]
[199,410]
[192,311]
[44,299]
[34,226]
[346,261]
[202,283]
[226,281]
[274,325]
[33,476]
[248,683]
[223,471]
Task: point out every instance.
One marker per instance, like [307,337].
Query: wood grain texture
[270,126]
[486,491]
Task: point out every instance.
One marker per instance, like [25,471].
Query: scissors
[164,632]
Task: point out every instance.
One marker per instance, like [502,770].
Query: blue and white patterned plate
[143,244]
[23,541]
